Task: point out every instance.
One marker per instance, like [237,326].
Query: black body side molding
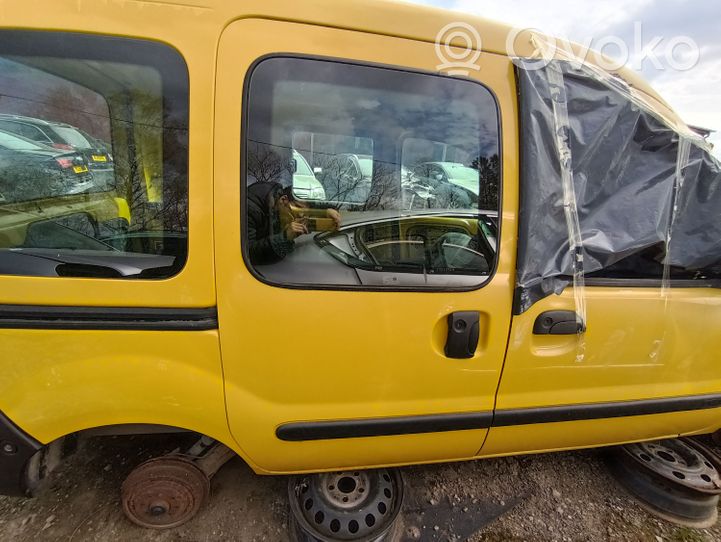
[107,318]
[408,425]
[376,427]
[597,411]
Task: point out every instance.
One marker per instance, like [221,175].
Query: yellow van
[327,249]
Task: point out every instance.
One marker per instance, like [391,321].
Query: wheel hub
[158,509]
[164,493]
[345,490]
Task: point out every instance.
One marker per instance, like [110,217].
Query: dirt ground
[553,497]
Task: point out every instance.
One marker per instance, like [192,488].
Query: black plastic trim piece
[107,318]
[438,423]
[463,333]
[594,411]
[377,427]
[16,449]
[558,323]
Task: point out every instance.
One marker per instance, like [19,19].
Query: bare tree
[266,164]
[489,171]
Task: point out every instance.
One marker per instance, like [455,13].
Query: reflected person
[272,225]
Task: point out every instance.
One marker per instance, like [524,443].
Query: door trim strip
[437,423]
[596,411]
[376,427]
[107,318]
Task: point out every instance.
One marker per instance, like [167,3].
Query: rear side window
[369,177]
[72,137]
[93,156]
[25,130]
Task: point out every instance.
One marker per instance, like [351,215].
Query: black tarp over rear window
[642,198]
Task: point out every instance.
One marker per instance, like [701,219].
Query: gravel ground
[552,497]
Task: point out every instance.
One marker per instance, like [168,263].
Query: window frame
[172,68]
[245,112]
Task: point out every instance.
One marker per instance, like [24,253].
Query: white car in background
[448,172]
[305,184]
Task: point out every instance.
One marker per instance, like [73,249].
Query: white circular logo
[458,48]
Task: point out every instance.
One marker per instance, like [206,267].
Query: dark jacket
[267,242]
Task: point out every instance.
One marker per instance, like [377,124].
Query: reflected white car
[305,184]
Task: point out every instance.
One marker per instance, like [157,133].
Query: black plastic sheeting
[624,165]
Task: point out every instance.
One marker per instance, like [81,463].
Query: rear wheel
[164,493]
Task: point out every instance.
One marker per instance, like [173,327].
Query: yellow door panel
[639,344]
[295,355]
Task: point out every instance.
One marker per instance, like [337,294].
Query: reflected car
[63,137]
[305,183]
[29,170]
[449,172]
[441,184]
[348,178]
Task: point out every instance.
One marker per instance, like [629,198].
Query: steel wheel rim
[678,461]
[346,505]
[652,482]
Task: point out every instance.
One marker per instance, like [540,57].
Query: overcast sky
[694,93]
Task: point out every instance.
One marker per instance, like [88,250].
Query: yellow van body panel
[640,343]
[57,382]
[277,372]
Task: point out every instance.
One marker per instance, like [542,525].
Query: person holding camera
[273,224]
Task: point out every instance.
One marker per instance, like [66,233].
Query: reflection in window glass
[93,157]
[342,165]
[365,176]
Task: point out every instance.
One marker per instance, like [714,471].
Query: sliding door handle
[558,323]
[463,333]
